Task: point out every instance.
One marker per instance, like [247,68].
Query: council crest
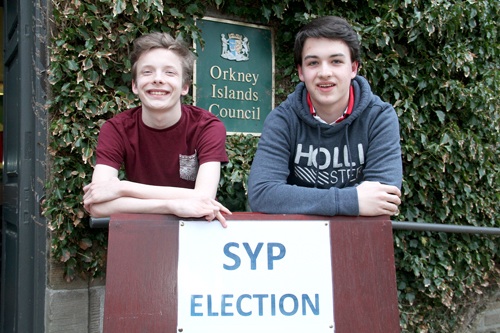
[235,47]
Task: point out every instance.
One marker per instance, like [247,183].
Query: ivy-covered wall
[437,62]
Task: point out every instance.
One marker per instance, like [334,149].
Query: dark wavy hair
[330,27]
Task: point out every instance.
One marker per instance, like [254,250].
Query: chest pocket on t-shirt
[188,166]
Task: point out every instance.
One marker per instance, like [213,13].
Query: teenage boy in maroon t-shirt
[171,152]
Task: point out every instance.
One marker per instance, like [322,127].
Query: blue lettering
[260,297]
[238,305]
[307,299]
[273,305]
[194,305]
[225,304]
[209,304]
[229,254]
[245,304]
[295,304]
[270,254]
[253,255]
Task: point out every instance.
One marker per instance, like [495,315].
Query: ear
[134,88]
[301,75]
[354,69]
[185,90]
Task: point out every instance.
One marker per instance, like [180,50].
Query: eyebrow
[331,56]
[147,66]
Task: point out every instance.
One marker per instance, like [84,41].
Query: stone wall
[76,306]
[484,316]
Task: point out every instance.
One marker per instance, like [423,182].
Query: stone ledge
[75,310]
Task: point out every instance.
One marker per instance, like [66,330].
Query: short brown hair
[156,40]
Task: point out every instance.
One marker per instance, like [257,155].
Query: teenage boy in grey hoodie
[332,147]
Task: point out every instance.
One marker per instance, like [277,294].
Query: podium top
[143,258]
[103,222]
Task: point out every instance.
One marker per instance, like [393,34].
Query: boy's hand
[205,207]
[376,199]
[101,191]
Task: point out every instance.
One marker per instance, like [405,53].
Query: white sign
[255,276]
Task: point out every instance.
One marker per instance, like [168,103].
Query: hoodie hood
[297,101]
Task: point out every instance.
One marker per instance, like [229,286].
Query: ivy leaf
[441,116]
[72,65]
[159,5]
[175,12]
[119,7]
[65,255]
[85,243]
[410,297]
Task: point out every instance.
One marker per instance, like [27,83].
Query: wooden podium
[141,283]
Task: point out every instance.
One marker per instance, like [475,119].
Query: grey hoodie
[303,166]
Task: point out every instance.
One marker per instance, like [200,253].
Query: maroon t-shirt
[166,157]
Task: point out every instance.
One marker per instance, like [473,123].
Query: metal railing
[463,229]
[103,222]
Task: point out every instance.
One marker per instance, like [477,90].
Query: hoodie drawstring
[318,142]
[348,154]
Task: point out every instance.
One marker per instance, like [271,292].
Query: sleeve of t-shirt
[110,146]
[212,142]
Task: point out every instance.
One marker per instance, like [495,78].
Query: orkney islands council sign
[234,73]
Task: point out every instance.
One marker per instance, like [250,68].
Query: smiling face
[159,81]
[327,71]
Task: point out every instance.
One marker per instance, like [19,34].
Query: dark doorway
[24,235]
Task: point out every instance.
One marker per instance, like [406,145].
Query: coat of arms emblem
[235,47]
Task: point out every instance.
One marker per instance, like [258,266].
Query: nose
[158,77]
[325,70]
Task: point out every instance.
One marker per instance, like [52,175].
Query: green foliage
[234,175]
[435,61]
